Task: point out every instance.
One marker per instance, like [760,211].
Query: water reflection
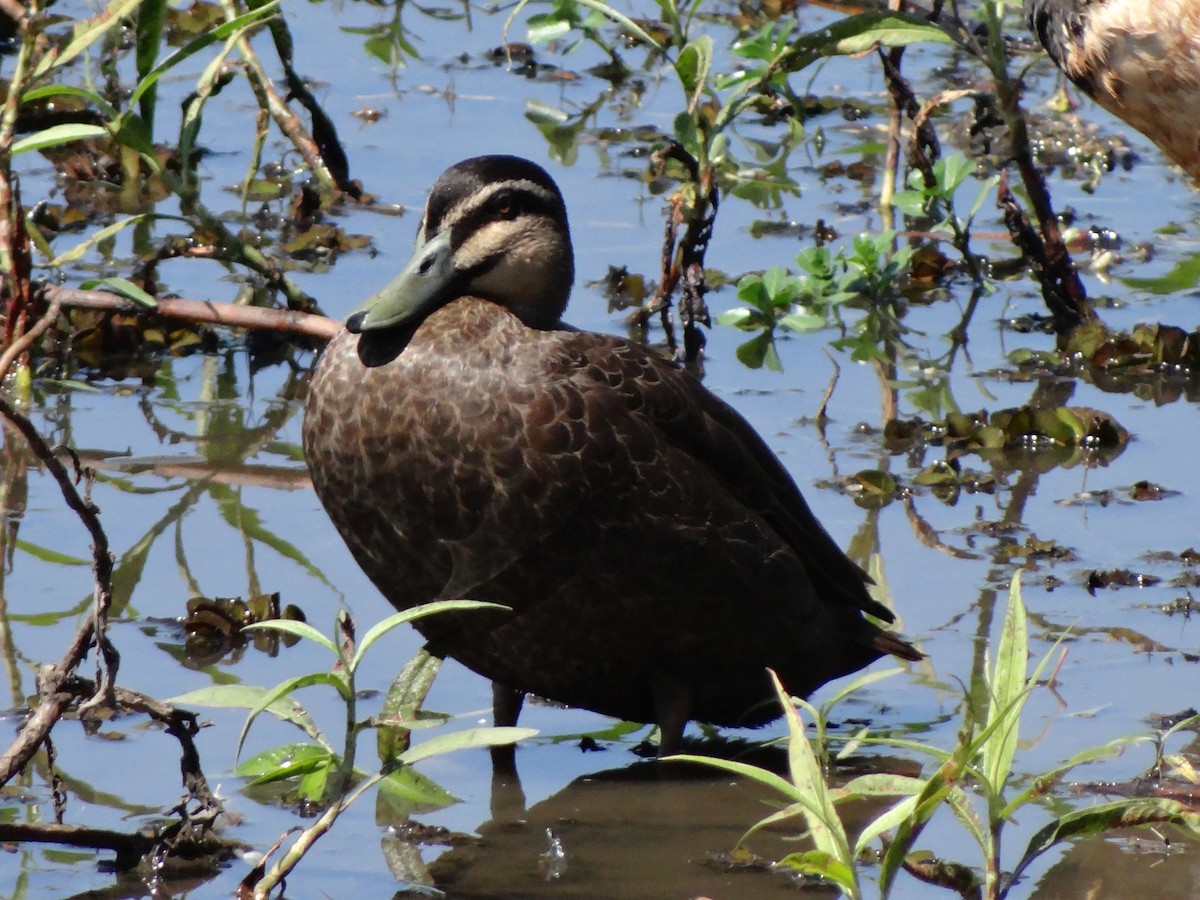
[645,830]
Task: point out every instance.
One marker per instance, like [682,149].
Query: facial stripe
[500,200]
[481,247]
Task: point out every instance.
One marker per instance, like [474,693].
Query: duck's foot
[508,798]
[672,707]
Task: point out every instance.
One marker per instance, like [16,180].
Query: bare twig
[14,11]
[130,848]
[209,312]
[52,682]
[687,264]
[270,99]
[823,409]
[25,341]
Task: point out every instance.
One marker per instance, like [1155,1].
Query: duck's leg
[673,708]
[508,799]
[506,705]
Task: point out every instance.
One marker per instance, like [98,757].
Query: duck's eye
[505,207]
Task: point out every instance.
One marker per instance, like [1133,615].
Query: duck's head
[494,227]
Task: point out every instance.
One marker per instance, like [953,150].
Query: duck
[1138,60]
[653,556]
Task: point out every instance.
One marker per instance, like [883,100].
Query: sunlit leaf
[70,256]
[287,687]
[1107,817]
[468,739]
[86,33]
[45,554]
[291,626]
[247,696]
[859,33]
[692,66]
[56,135]
[1007,686]
[824,865]
[404,699]
[407,791]
[412,614]
[285,761]
[123,288]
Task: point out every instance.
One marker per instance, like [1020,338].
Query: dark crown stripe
[452,196]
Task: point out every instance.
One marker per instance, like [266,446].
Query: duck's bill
[424,284]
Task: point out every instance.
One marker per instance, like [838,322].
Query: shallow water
[624,830]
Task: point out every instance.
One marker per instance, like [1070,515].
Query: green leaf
[856,34]
[407,791]
[468,739]
[1008,689]
[885,821]
[69,90]
[231,29]
[248,696]
[1107,817]
[1045,782]
[740,318]
[375,632]
[688,135]
[283,762]
[951,171]
[69,256]
[56,135]
[761,776]
[287,687]
[911,203]
[823,865]
[828,833]
[612,15]
[291,626]
[51,556]
[313,785]
[758,351]
[802,322]
[403,701]
[122,287]
[86,33]
[693,67]
[542,29]
[148,38]
[1184,275]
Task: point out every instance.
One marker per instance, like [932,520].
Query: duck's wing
[645,393]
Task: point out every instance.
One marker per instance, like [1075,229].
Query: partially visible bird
[655,555]
[1139,59]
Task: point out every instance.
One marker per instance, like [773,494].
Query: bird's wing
[688,418]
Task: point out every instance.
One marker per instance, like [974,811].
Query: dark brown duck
[656,556]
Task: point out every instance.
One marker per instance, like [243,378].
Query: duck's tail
[890,642]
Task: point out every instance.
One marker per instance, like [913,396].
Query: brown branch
[206,312]
[14,11]
[52,682]
[191,828]
[281,478]
[25,341]
[1062,290]
[269,99]
[129,847]
[686,262]
[926,534]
